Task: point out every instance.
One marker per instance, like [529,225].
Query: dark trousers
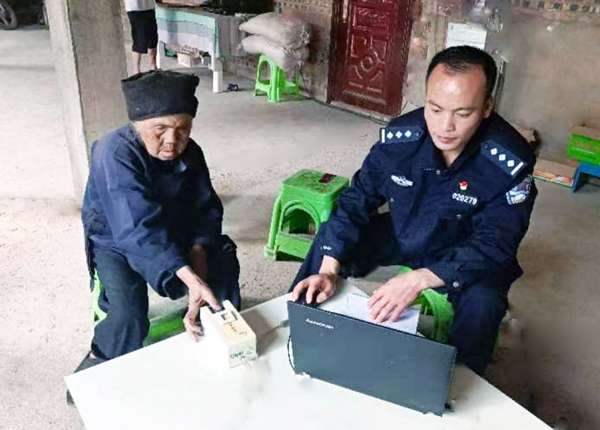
[478,308]
[125,296]
[144,31]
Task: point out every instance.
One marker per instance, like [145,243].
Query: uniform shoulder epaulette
[401,134]
[502,157]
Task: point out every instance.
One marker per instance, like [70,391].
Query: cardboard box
[551,171]
[187,59]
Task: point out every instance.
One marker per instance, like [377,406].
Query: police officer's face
[456,103]
[165,137]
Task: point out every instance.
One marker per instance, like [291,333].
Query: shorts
[143,30]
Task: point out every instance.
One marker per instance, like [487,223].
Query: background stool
[305,201]
[277,85]
[582,170]
[584,146]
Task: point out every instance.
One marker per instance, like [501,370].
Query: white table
[174,385]
[207,32]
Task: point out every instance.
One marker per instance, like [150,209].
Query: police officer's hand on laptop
[387,302]
[320,286]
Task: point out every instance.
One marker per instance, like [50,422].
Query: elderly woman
[151,216]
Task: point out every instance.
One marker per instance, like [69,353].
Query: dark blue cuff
[450,274]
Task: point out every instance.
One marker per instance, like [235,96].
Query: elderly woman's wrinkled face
[165,137]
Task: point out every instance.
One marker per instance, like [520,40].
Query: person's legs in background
[136,59]
[152,38]
[136,35]
[152,58]
[144,34]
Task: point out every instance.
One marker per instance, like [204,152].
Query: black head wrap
[159,93]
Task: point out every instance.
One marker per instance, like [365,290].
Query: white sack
[287,59]
[285,29]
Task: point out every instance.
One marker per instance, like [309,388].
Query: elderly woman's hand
[199,294]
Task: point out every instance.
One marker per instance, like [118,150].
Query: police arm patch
[521,192]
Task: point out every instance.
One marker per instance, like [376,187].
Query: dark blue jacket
[463,222]
[149,210]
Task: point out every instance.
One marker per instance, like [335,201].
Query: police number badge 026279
[463,198]
[520,192]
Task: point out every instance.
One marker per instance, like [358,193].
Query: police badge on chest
[462,196]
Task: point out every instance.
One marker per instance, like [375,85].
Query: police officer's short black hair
[459,59]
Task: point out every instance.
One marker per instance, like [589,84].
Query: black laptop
[399,367]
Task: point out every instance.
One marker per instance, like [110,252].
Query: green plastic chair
[436,305]
[276,86]
[161,327]
[305,201]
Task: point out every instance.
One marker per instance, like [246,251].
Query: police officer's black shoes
[88,361]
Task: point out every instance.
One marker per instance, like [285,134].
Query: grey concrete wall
[552,77]
[87,41]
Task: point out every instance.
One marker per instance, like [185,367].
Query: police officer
[151,216]
[457,178]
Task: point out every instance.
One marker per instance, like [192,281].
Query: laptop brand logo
[319,324]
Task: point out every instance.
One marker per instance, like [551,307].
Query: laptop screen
[398,367]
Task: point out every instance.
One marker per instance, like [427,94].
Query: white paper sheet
[466,34]
[355,305]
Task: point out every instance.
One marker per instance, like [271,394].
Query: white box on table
[229,334]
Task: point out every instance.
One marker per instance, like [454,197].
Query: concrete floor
[251,146]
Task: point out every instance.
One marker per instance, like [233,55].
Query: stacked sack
[281,37]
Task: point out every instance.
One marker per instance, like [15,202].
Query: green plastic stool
[161,327]
[436,305]
[305,201]
[277,85]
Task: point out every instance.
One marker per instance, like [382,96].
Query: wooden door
[370,40]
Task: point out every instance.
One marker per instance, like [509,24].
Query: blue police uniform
[463,222]
[141,217]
